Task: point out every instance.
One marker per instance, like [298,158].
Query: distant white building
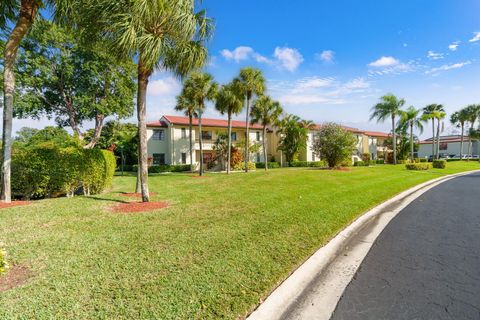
[449,145]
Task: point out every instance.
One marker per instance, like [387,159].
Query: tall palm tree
[459,119]
[185,104]
[389,107]
[200,88]
[251,82]
[428,114]
[166,35]
[411,119]
[439,115]
[473,112]
[229,101]
[266,112]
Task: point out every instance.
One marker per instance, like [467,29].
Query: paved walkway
[426,263]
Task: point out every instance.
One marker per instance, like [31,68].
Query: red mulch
[13,204]
[139,206]
[16,276]
[343,169]
[135,194]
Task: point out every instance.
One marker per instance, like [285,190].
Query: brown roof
[207,122]
[159,124]
[356,130]
[376,134]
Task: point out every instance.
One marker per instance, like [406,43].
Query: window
[207,157]
[443,146]
[258,135]
[234,136]
[158,159]
[258,156]
[184,158]
[184,133]
[313,156]
[158,134]
[207,135]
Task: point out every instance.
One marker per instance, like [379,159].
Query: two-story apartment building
[168,141]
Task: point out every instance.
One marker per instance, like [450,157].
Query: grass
[223,244]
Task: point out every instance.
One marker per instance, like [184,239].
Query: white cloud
[454,46]
[476,37]
[447,67]
[288,58]
[384,62]
[164,87]
[326,56]
[434,55]
[358,83]
[314,82]
[238,54]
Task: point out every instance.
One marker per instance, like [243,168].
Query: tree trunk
[190,140]
[265,147]
[438,140]
[411,143]
[461,141]
[28,12]
[247,134]
[143,75]
[394,141]
[97,132]
[433,139]
[229,148]
[200,141]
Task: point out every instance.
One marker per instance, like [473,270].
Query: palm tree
[439,115]
[390,107]
[411,119]
[200,88]
[459,119]
[266,112]
[229,101]
[251,82]
[166,35]
[472,112]
[428,114]
[186,105]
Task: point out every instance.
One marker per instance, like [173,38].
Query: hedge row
[367,163]
[271,165]
[47,170]
[418,166]
[241,166]
[315,164]
[439,164]
[163,168]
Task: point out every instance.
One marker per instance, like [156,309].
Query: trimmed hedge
[164,168]
[3,260]
[314,164]
[380,161]
[439,164]
[418,166]
[47,170]
[271,165]
[422,160]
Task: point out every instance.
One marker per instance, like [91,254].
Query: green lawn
[223,244]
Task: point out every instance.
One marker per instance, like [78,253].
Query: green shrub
[271,165]
[316,164]
[241,166]
[380,161]
[417,166]
[3,260]
[439,164]
[163,168]
[401,161]
[423,160]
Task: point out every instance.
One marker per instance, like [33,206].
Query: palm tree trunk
[438,139]
[264,135]
[394,141]
[28,12]
[469,144]
[200,140]
[143,75]
[190,140]
[433,139]
[411,143]
[247,135]
[461,141]
[229,148]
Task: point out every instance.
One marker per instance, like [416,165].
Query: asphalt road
[426,262]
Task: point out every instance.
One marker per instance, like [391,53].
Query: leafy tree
[473,113]
[25,134]
[389,107]
[293,136]
[200,88]
[158,34]
[403,143]
[334,144]
[72,81]
[266,112]
[459,119]
[431,112]
[411,118]
[229,101]
[52,135]
[250,82]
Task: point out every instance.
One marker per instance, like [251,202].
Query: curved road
[426,263]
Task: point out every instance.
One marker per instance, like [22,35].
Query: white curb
[314,274]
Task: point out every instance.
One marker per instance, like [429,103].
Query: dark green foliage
[401,161]
[363,163]
[271,165]
[380,161]
[164,168]
[334,144]
[439,164]
[49,170]
[293,135]
[418,166]
[316,164]
[422,160]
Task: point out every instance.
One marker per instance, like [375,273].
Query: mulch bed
[131,207]
[13,204]
[15,277]
[135,194]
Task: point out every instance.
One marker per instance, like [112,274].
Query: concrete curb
[313,274]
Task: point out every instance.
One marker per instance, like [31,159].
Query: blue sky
[332,60]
